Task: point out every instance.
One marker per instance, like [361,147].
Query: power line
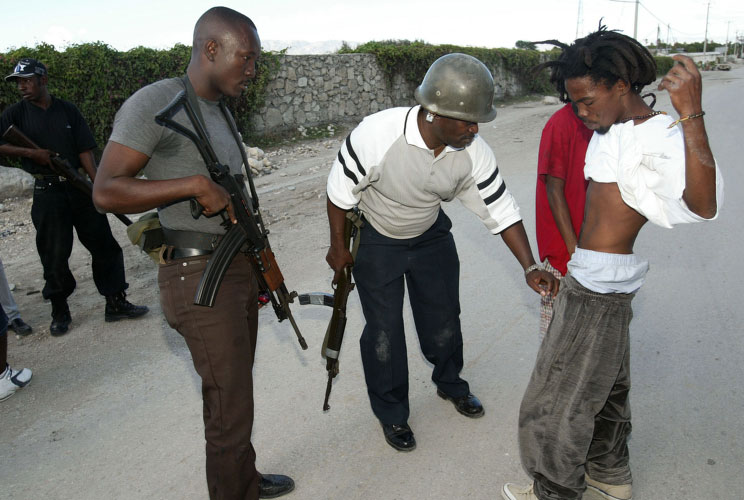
[665,23]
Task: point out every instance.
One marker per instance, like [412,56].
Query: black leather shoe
[118,307]
[469,405]
[60,323]
[274,485]
[399,437]
[20,327]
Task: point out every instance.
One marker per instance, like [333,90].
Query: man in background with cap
[397,167]
[58,128]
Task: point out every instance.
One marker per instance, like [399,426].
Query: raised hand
[685,86]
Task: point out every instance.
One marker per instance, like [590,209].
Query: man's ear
[210,49]
[622,87]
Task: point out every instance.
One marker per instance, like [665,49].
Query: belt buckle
[185,253]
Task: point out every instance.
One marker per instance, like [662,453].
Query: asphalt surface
[114,412]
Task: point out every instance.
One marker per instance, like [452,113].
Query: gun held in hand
[249,234]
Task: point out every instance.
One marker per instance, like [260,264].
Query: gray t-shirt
[172,155]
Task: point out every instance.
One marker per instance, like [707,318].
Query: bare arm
[88,161]
[40,156]
[540,281]
[559,207]
[338,256]
[116,188]
[684,84]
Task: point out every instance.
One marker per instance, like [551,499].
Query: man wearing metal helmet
[397,167]
[59,129]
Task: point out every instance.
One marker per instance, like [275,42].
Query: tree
[522,44]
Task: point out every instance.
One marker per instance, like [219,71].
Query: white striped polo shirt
[385,168]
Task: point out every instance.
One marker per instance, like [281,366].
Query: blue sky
[494,23]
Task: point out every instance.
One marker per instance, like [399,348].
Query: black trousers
[430,267]
[58,208]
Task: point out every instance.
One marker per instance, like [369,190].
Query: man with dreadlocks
[641,165]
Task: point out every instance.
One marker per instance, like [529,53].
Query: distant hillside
[301,47]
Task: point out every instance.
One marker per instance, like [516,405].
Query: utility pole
[578,21]
[635,25]
[728,27]
[705,43]
[669,29]
[658,38]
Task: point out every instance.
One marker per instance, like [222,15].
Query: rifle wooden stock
[272,275]
[59,165]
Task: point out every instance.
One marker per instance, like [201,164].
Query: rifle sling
[356,221]
[194,102]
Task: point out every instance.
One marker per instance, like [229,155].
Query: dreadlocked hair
[606,56]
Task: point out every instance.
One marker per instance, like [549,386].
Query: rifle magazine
[206,292]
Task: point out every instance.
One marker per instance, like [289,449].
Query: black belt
[185,244]
[184,253]
[51,179]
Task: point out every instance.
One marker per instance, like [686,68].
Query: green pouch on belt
[147,234]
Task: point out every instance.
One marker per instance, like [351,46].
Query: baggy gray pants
[575,413]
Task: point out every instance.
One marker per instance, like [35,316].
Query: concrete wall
[312,90]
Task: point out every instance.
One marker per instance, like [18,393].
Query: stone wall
[312,90]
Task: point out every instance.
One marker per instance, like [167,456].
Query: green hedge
[98,79]
[663,64]
[412,59]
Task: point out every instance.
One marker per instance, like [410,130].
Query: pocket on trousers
[167,303]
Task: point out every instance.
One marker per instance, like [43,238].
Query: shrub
[98,79]
[412,59]
[663,64]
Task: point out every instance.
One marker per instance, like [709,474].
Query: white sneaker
[11,381]
[511,491]
[608,491]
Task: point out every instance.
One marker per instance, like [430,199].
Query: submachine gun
[335,332]
[59,165]
[249,232]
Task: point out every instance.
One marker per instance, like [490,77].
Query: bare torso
[610,225]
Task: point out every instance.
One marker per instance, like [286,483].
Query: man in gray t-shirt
[171,155]
[222,339]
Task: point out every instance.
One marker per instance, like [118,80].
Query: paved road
[116,414]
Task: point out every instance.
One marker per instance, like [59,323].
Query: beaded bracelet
[696,115]
[533,267]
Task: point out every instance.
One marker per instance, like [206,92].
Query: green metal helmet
[458,86]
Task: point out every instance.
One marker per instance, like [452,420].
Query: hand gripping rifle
[335,332]
[249,231]
[59,165]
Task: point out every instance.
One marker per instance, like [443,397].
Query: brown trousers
[222,341]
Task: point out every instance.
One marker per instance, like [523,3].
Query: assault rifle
[335,332]
[249,232]
[59,165]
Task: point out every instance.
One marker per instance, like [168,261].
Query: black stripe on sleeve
[352,153]
[348,172]
[495,196]
[483,185]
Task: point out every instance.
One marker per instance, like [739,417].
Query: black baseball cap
[26,68]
